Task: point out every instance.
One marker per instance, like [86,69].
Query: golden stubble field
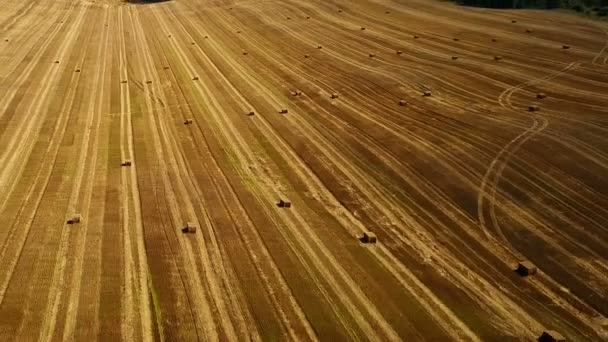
[465,139]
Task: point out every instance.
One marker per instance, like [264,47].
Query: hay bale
[308,17]
[126,162]
[245,53]
[76,218]
[551,336]
[533,108]
[288,18]
[541,95]
[306,56]
[399,52]
[387,12]
[363,29]
[339,11]
[189,227]
[319,47]
[513,21]
[77,70]
[166,67]
[56,62]
[188,122]
[284,111]
[565,47]
[416,36]
[371,55]
[426,93]
[402,103]
[296,93]
[369,237]
[454,58]
[206,37]
[456,39]
[284,203]
[494,40]
[528,31]
[193,43]
[238,31]
[525,268]
[195,78]
[334,96]
[251,113]
[497,58]
[123,81]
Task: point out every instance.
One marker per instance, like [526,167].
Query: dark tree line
[579,5]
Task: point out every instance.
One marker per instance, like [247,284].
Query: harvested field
[214,204]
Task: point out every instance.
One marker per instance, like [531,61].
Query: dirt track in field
[458,186]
